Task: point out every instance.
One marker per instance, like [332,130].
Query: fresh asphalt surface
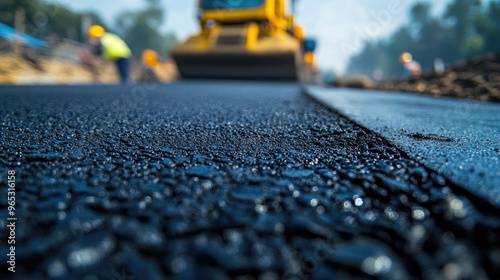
[213,180]
[460,139]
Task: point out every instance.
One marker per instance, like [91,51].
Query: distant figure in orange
[411,67]
[150,62]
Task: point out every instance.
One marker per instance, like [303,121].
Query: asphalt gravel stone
[217,181]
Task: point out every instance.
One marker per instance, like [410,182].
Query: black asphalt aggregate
[459,138]
[211,180]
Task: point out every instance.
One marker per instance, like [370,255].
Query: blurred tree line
[140,29]
[467,28]
[45,18]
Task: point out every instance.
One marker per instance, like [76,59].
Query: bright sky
[338,25]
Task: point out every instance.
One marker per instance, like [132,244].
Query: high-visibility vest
[113,47]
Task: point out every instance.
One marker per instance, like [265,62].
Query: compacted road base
[218,181]
[458,138]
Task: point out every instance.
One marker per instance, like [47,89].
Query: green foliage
[140,29]
[45,18]
[8,9]
[467,28]
[473,45]
[488,24]
[65,24]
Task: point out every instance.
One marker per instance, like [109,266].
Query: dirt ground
[476,79]
[19,70]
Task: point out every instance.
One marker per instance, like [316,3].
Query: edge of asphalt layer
[414,144]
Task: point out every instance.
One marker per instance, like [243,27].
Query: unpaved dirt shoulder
[16,70]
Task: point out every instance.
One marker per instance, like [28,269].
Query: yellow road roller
[246,39]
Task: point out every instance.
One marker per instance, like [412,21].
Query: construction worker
[111,47]
[411,67]
[150,62]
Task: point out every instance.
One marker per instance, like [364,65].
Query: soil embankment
[19,70]
[477,79]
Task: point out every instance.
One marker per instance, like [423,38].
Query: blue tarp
[8,33]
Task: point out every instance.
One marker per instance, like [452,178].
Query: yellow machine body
[244,39]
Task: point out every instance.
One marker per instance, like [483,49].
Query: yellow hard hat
[96,31]
[150,58]
[309,58]
[406,57]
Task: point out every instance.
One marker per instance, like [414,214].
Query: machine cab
[226,12]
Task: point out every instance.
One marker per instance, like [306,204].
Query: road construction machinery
[246,39]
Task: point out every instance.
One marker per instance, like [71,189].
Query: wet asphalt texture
[217,181]
[458,138]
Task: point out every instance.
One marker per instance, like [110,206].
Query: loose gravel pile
[18,70]
[211,181]
[477,79]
